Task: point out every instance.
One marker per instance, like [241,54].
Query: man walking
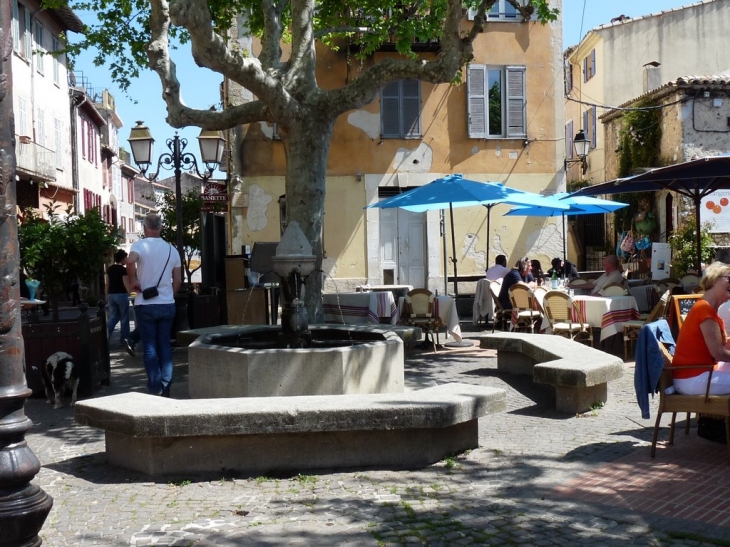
[154,272]
[117,297]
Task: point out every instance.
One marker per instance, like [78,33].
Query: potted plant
[59,248]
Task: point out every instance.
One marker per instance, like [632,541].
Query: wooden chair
[501,315]
[633,327]
[420,312]
[614,289]
[715,405]
[561,311]
[523,305]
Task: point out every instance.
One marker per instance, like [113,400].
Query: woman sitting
[702,339]
[519,274]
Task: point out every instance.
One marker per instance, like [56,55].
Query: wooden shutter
[516,102]
[411,108]
[390,110]
[16,27]
[594,135]
[476,101]
[593,63]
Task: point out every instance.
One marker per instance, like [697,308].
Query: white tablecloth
[359,308]
[483,302]
[446,310]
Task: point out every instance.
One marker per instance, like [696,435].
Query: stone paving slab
[520,487]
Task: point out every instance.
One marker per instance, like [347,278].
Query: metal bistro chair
[420,312]
[633,327]
[714,405]
[523,305]
[561,311]
[501,315]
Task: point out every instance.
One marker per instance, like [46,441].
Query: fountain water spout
[293,263]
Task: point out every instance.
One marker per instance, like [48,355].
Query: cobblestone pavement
[529,483]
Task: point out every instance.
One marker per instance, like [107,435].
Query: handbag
[152,292]
[627,244]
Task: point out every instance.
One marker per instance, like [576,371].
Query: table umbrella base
[462,344]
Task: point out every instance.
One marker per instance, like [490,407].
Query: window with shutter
[400,110]
[569,140]
[502,10]
[40,137]
[589,122]
[39,46]
[56,45]
[496,101]
[16,27]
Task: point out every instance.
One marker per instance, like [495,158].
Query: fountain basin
[366,360]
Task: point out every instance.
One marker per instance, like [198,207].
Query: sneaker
[130,348]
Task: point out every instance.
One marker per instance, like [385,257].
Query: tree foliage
[683,243]
[283,81]
[60,249]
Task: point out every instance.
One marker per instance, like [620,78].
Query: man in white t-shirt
[499,270]
[612,274]
[154,263]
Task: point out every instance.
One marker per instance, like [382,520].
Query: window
[58,138]
[40,122]
[22,40]
[501,10]
[400,110]
[56,45]
[16,27]
[40,50]
[22,118]
[496,101]
[589,122]
[569,140]
[589,65]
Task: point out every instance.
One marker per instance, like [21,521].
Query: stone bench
[255,436]
[579,372]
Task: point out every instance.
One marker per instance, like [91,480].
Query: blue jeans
[154,323]
[118,313]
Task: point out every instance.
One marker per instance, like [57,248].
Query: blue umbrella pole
[453,248]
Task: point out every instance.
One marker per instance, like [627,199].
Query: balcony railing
[35,160]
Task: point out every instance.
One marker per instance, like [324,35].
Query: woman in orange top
[702,339]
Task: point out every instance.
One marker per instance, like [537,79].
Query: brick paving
[538,478]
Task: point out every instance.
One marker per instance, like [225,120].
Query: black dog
[60,374]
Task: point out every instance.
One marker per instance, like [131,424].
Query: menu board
[682,304]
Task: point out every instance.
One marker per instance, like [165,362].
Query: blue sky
[200,87]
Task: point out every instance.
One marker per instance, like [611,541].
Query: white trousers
[697,385]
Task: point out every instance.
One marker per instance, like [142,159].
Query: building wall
[360,162]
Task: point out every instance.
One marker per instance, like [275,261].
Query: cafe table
[445,308]
[360,308]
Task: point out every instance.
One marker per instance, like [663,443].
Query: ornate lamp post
[212,145]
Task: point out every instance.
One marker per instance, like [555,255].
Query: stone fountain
[295,358]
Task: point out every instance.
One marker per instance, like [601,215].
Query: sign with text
[215,192]
[715,208]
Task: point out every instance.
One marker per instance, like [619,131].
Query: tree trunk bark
[307,148]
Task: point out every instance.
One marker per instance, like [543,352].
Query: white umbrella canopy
[456,191]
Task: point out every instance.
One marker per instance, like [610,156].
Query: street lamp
[211,144]
[581,145]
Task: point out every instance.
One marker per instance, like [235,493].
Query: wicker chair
[420,313]
[524,307]
[690,282]
[561,311]
[501,316]
[715,405]
[633,327]
[614,289]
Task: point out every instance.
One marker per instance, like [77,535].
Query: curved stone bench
[579,373]
[258,435]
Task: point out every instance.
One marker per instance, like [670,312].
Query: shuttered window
[569,140]
[589,65]
[589,122]
[400,110]
[496,101]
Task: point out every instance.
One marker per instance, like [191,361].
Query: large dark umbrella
[694,179]
[455,191]
[579,205]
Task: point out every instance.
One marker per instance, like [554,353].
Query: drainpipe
[74,148]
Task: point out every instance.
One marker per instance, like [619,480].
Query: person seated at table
[702,338]
[562,269]
[499,270]
[536,271]
[611,274]
[518,274]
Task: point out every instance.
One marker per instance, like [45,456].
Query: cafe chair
[633,327]
[690,282]
[523,307]
[501,316]
[578,281]
[613,289]
[715,405]
[565,317]
[668,283]
[420,312]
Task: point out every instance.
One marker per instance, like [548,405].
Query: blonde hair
[712,273]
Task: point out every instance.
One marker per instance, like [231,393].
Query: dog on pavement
[60,374]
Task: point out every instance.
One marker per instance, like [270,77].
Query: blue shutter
[593,62]
[390,110]
[476,101]
[516,102]
[411,108]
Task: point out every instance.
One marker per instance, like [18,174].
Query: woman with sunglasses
[702,339]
